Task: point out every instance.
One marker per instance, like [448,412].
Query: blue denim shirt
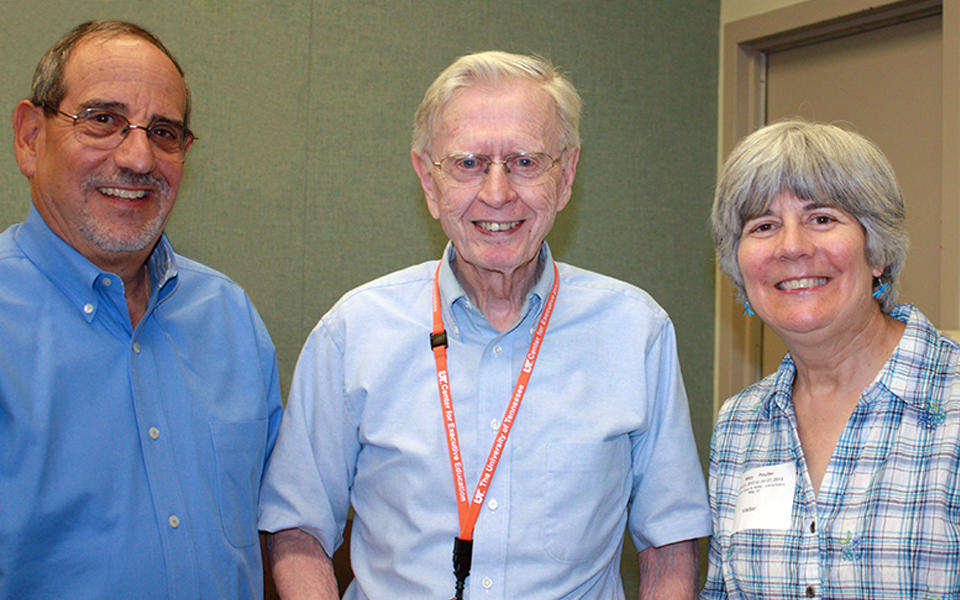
[130,459]
[602,439]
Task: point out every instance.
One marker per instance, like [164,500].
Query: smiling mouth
[801,284]
[123,194]
[497,225]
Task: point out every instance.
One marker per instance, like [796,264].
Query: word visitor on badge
[765,500]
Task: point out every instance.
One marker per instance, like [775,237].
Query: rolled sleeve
[669,499]
[307,485]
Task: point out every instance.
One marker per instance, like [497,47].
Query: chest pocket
[586,497]
[239,449]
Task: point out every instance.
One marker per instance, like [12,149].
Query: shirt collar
[781,396]
[451,292]
[74,274]
[906,373]
[163,267]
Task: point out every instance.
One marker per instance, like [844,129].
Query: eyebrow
[808,205]
[122,108]
[502,156]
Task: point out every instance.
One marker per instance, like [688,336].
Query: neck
[498,294]
[848,365]
[136,288]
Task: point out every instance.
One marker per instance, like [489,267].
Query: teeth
[125,194]
[800,284]
[495,226]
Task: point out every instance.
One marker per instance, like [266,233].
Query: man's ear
[423,166]
[28,121]
[187,147]
[569,163]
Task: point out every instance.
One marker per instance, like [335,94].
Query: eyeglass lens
[105,130]
[520,169]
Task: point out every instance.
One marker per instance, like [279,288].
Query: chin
[124,241]
[801,326]
[496,260]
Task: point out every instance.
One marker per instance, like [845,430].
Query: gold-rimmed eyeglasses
[105,129]
[521,168]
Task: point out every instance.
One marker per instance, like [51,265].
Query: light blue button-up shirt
[130,459]
[601,441]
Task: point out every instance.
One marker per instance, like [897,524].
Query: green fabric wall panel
[300,186]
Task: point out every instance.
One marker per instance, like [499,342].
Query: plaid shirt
[886,523]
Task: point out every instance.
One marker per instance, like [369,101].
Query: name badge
[765,500]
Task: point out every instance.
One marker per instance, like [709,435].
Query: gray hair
[818,162]
[47,88]
[490,68]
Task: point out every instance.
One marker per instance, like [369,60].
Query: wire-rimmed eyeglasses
[521,168]
[105,129]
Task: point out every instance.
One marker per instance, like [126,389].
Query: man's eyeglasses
[521,168]
[104,130]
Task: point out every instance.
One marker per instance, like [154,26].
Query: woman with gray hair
[838,476]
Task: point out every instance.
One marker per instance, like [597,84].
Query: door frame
[746,44]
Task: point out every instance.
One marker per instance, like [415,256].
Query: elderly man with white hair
[555,391]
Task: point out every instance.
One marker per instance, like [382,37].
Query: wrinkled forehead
[512,111]
[130,68]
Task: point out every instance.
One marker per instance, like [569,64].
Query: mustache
[126,177]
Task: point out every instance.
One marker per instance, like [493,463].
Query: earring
[747,310]
[880,291]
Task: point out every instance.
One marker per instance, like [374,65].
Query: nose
[135,151]
[496,189]
[794,242]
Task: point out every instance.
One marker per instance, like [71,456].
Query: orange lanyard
[468,510]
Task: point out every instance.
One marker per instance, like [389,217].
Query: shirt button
[813,526]
[811,592]
[154,433]
[493,504]
[487,583]
[88,308]
[498,350]
[107,282]
[136,347]
[174,521]
[495,425]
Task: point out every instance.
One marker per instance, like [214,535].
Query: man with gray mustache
[139,397]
